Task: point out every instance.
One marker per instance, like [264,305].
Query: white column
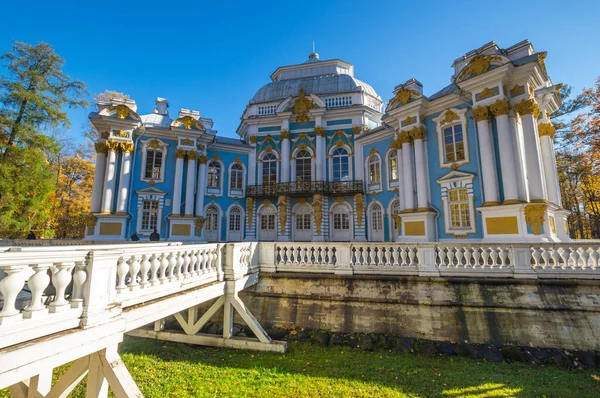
[546,133]
[400,166]
[359,166]
[285,156]
[320,155]
[202,159]
[421,169]
[191,178]
[489,174]
[110,178]
[99,177]
[252,165]
[519,154]
[506,146]
[407,171]
[180,153]
[533,161]
[124,180]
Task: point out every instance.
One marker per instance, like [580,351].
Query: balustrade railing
[304,188]
[336,102]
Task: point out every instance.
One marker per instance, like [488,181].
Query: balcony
[304,188]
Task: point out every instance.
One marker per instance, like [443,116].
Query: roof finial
[313,56]
[313,46]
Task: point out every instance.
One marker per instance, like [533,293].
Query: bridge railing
[577,259]
[45,290]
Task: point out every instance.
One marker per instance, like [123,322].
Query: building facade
[321,157]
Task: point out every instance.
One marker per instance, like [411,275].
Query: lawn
[177,370]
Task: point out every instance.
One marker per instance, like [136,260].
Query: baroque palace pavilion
[321,157]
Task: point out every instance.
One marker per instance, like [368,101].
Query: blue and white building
[321,157]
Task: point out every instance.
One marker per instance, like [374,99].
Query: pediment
[455,175]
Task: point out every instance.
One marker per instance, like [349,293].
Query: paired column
[529,111]
[180,155]
[506,146]
[125,178]
[191,179]
[110,177]
[320,134]
[487,156]
[285,155]
[400,166]
[100,170]
[407,172]
[202,159]
[418,136]
[546,132]
[252,162]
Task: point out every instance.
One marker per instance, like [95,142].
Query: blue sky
[213,56]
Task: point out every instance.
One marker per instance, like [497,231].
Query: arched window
[454,146]
[235,219]
[212,219]
[303,166]
[376,218]
[269,169]
[374,170]
[341,168]
[236,177]
[393,165]
[460,210]
[214,174]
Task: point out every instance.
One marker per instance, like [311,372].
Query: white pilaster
[98,179]
[252,166]
[124,179]
[407,172]
[285,156]
[421,171]
[359,167]
[177,185]
[549,161]
[320,156]
[489,174]
[201,186]
[189,193]
[508,162]
[109,180]
[400,166]
[533,161]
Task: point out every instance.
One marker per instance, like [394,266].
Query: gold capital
[101,147]
[418,133]
[480,114]
[403,137]
[112,146]
[320,131]
[180,153]
[546,129]
[285,134]
[528,107]
[126,147]
[500,107]
[357,130]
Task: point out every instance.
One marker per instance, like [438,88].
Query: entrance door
[341,222]
[267,227]
[394,220]
[376,223]
[211,230]
[303,223]
[234,225]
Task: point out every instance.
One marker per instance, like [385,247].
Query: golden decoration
[359,202]
[480,114]
[215,157]
[403,137]
[302,201]
[155,144]
[528,107]
[180,153]
[320,131]
[199,224]
[123,111]
[302,145]
[454,166]
[126,147]
[301,107]
[357,129]
[534,216]
[151,182]
[237,160]
[449,117]
[101,147]
[500,107]
[398,219]
[546,129]
[104,135]
[409,120]
[200,147]
[213,196]
[268,148]
[339,143]
[517,90]
[373,151]
[478,65]
[417,133]
[253,139]
[266,202]
[285,134]
[90,221]
[249,210]
[112,145]
[339,199]
[186,142]
[282,203]
[403,96]
[191,154]
[317,205]
[188,122]
[541,57]
[487,93]
[202,159]
[121,133]
[396,143]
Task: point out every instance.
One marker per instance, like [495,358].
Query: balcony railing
[304,188]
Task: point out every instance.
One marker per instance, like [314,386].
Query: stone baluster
[164,265]
[144,268]
[489,174]
[10,286]
[134,269]
[61,280]
[37,283]
[79,279]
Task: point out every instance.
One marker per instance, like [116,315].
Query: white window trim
[242,221]
[350,162]
[378,187]
[350,218]
[219,219]
[452,180]
[390,213]
[145,147]
[244,173]
[141,196]
[260,166]
[295,209]
[370,221]
[391,184]
[209,191]
[259,215]
[313,164]
[462,120]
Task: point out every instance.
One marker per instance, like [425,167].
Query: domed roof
[318,85]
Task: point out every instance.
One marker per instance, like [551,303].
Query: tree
[33,96]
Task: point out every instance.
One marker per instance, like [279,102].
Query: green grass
[177,370]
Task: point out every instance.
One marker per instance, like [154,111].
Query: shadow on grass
[310,370]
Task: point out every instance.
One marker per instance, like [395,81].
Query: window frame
[332,158]
[392,183]
[442,123]
[294,164]
[449,182]
[160,147]
[217,191]
[234,192]
[261,167]
[374,160]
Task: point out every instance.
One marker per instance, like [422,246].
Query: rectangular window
[267,222]
[153,164]
[454,144]
[393,167]
[303,169]
[149,214]
[341,222]
[235,223]
[460,208]
[303,221]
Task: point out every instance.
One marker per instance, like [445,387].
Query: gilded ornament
[396,143]
[121,133]
[90,221]
[449,117]
[151,182]
[454,166]
[478,65]
[237,160]
[417,133]
[191,154]
[112,145]
[359,202]
[546,129]
[155,144]
[188,122]
[320,131]
[123,111]
[339,143]
[253,139]
[180,153]
[317,205]
[215,157]
[126,147]
[541,58]
[403,137]
[357,130]
[528,107]
[534,216]
[213,196]
[202,159]
[480,114]
[266,202]
[249,210]
[101,147]
[285,134]
[487,93]
[517,90]
[302,201]
[200,147]
[403,96]
[268,148]
[500,107]
[282,203]
[199,223]
[301,107]
[302,145]
[186,142]
[408,121]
